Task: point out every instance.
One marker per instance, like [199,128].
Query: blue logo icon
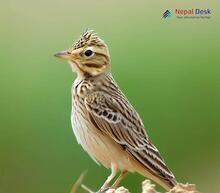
[167,14]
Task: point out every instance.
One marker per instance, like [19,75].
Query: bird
[104,122]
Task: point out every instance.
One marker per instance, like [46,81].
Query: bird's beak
[64,55]
[69,54]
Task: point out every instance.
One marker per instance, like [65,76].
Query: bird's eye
[88,53]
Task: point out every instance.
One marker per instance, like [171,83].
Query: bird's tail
[166,182]
[152,166]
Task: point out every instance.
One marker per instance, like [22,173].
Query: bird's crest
[88,38]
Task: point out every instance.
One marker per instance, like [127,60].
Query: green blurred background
[169,69]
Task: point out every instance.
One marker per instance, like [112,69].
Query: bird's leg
[117,181]
[109,178]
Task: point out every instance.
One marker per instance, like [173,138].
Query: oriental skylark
[104,122]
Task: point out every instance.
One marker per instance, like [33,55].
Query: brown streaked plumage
[103,120]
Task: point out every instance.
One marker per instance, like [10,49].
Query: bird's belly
[98,145]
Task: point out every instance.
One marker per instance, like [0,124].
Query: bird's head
[89,55]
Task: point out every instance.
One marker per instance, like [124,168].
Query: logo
[167,14]
[192,13]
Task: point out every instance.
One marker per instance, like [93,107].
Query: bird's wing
[117,118]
